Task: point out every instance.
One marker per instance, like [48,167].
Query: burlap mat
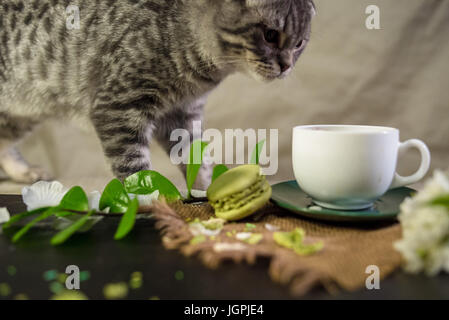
[348,249]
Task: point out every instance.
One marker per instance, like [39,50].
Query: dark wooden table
[113,261]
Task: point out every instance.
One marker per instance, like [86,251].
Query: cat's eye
[300,45]
[271,36]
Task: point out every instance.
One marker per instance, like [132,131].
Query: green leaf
[115,197]
[48,213]
[148,181]
[65,220]
[195,160]
[128,220]
[255,156]
[62,236]
[441,201]
[21,216]
[75,200]
[64,214]
[218,171]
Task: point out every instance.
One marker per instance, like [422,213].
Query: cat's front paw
[30,175]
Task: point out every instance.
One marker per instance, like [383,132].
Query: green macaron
[239,192]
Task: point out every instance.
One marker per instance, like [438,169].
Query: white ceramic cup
[347,167]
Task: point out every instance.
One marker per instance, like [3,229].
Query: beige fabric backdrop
[397,76]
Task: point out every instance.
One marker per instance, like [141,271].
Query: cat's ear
[313,9]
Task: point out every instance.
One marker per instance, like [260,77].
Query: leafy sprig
[128,220]
[115,197]
[65,234]
[146,182]
[74,210]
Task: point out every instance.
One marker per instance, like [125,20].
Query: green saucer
[288,195]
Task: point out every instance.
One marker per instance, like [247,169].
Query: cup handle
[400,181]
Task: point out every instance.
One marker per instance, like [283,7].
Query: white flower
[4,215]
[425,228]
[145,199]
[43,194]
[435,187]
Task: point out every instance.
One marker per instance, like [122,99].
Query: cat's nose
[284,66]
[285,61]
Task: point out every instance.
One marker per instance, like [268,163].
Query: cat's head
[263,38]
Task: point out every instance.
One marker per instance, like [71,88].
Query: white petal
[442,179]
[42,194]
[4,215]
[145,199]
[198,193]
[94,200]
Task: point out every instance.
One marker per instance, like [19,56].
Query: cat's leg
[19,170]
[125,134]
[184,119]
[12,129]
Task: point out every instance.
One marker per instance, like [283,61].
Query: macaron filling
[241,198]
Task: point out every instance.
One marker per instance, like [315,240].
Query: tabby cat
[136,68]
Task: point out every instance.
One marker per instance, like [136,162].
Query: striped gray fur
[136,68]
